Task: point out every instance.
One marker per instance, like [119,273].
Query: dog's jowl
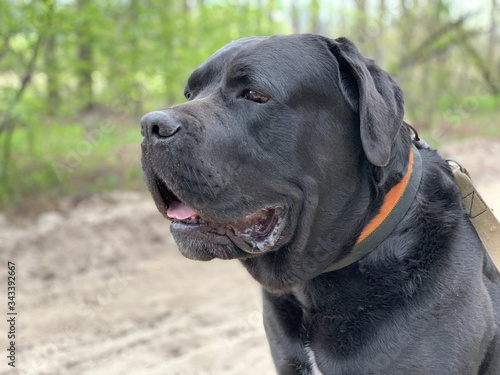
[291,155]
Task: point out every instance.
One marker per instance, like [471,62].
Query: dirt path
[103,290]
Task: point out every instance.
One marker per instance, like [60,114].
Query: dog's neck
[396,203]
[393,273]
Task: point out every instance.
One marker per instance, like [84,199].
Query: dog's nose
[159,125]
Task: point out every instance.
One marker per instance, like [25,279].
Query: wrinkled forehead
[279,63]
[215,67]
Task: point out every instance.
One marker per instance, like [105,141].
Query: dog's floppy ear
[376,97]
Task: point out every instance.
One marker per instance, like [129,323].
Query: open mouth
[254,233]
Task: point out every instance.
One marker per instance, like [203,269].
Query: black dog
[291,155]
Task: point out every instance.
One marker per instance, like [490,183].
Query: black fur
[326,148]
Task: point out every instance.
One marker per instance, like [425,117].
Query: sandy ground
[101,289]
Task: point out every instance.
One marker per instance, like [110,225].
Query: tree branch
[423,52]
[481,65]
[24,83]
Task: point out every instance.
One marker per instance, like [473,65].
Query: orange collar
[396,204]
[390,201]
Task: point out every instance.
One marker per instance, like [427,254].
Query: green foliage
[68,67]
[59,157]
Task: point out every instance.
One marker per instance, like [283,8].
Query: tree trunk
[134,14]
[85,56]
[379,40]
[405,32]
[492,42]
[362,36]
[315,20]
[52,71]
[295,18]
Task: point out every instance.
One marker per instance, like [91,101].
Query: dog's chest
[311,357]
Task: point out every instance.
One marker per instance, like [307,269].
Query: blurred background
[102,288]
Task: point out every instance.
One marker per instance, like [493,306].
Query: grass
[53,159]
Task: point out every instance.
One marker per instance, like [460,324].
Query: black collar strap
[395,206]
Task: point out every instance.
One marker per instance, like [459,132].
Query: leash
[482,218]
[480,215]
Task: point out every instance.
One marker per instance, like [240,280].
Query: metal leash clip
[417,141]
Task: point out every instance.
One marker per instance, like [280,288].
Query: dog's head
[281,143]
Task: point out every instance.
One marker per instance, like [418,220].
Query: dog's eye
[254,96]
[187,94]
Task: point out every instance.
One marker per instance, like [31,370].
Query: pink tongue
[178,210]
